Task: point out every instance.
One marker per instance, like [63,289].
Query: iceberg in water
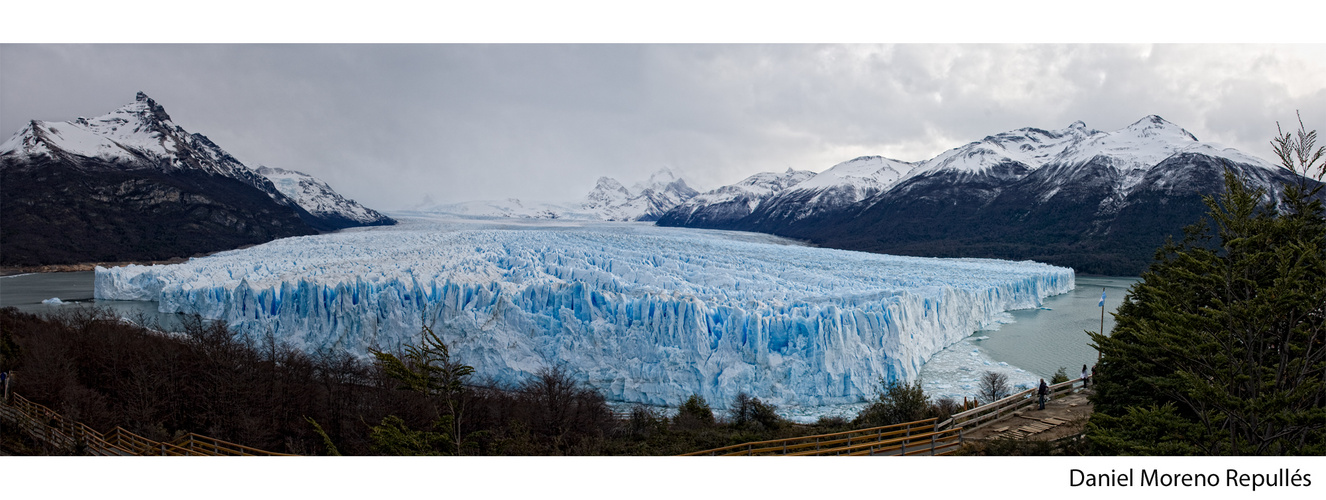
[641,313]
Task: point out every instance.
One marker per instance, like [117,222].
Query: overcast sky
[389,124]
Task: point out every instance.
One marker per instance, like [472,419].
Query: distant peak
[1151,123]
[610,184]
[662,176]
[1078,125]
[145,107]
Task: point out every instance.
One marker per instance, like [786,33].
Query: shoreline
[6,271]
[82,266]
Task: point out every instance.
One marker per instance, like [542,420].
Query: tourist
[1086,380]
[1043,391]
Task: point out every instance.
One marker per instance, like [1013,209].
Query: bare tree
[994,387]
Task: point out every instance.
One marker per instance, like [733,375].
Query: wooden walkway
[1042,424]
[47,426]
[986,414]
[1063,417]
[922,437]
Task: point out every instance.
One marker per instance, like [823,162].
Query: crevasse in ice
[642,313]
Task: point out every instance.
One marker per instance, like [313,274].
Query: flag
[1102,299]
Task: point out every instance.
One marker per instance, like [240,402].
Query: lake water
[26,292]
[1040,341]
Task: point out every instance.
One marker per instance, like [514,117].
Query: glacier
[642,313]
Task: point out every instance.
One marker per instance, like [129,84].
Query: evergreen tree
[428,370]
[1221,348]
[1060,376]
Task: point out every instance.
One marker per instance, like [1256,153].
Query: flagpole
[1102,319]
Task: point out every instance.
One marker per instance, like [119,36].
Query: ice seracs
[642,313]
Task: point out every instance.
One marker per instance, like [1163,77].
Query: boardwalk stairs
[47,426]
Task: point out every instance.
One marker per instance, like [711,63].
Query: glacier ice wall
[642,313]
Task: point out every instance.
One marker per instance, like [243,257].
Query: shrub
[944,408]
[694,413]
[644,422]
[747,411]
[898,402]
[1059,376]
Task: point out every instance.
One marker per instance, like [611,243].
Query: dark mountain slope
[57,212]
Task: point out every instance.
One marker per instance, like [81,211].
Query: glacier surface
[642,313]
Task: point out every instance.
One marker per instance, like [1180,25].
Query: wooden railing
[922,437]
[45,425]
[898,439]
[990,412]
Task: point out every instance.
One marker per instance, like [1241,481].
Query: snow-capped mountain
[139,135]
[646,201]
[320,200]
[840,186]
[1097,201]
[718,207]
[514,208]
[609,200]
[131,185]
[1029,148]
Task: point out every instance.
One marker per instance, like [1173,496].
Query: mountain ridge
[1100,202]
[133,185]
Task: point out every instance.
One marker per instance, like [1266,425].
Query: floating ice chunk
[53,301]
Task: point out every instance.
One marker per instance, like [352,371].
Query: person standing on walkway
[1041,392]
[1086,378]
